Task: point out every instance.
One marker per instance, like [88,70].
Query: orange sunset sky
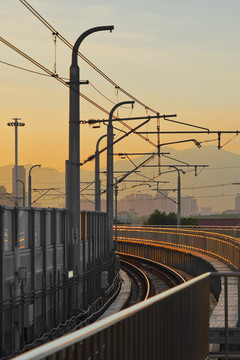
[175,56]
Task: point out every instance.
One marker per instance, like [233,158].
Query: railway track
[147,277]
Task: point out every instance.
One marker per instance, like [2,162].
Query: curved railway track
[140,284]
[148,277]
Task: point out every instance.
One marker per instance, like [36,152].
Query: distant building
[189,206]
[126,217]
[5,197]
[145,204]
[231,211]
[123,215]
[132,213]
[206,210]
[141,204]
[165,204]
[21,177]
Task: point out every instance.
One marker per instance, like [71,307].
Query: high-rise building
[164,202]
[21,177]
[145,204]
[4,196]
[188,206]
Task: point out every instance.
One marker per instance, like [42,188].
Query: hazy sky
[176,56]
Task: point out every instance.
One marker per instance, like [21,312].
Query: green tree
[189,221]
[161,218]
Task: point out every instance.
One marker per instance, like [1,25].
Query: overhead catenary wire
[54,72]
[105,97]
[50,73]
[116,86]
[24,69]
[66,42]
[229,140]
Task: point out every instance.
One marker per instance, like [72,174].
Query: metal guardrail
[226,230]
[160,242]
[172,325]
[228,312]
[224,247]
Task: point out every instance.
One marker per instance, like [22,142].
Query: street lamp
[110,172]
[179,194]
[74,132]
[16,123]
[30,185]
[24,192]
[97,177]
[73,170]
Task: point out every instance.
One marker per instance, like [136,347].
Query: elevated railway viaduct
[41,298]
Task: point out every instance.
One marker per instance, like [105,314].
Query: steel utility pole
[30,185]
[97,177]
[74,134]
[176,167]
[110,173]
[179,194]
[17,291]
[76,265]
[16,123]
[116,212]
[24,192]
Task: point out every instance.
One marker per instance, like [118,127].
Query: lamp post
[110,172]
[30,184]
[17,292]
[97,177]
[179,194]
[16,123]
[76,252]
[74,134]
[24,192]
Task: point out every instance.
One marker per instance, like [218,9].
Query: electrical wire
[229,140]
[116,86]
[21,68]
[206,186]
[50,73]
[66,42]
[105,97]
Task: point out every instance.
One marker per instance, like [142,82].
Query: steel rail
[165,268]
[141,275]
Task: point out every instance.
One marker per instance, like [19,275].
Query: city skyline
[215,186]
[175,57]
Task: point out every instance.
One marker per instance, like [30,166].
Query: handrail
[71,339]
[224,247]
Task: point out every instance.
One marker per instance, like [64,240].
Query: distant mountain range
[213,186]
